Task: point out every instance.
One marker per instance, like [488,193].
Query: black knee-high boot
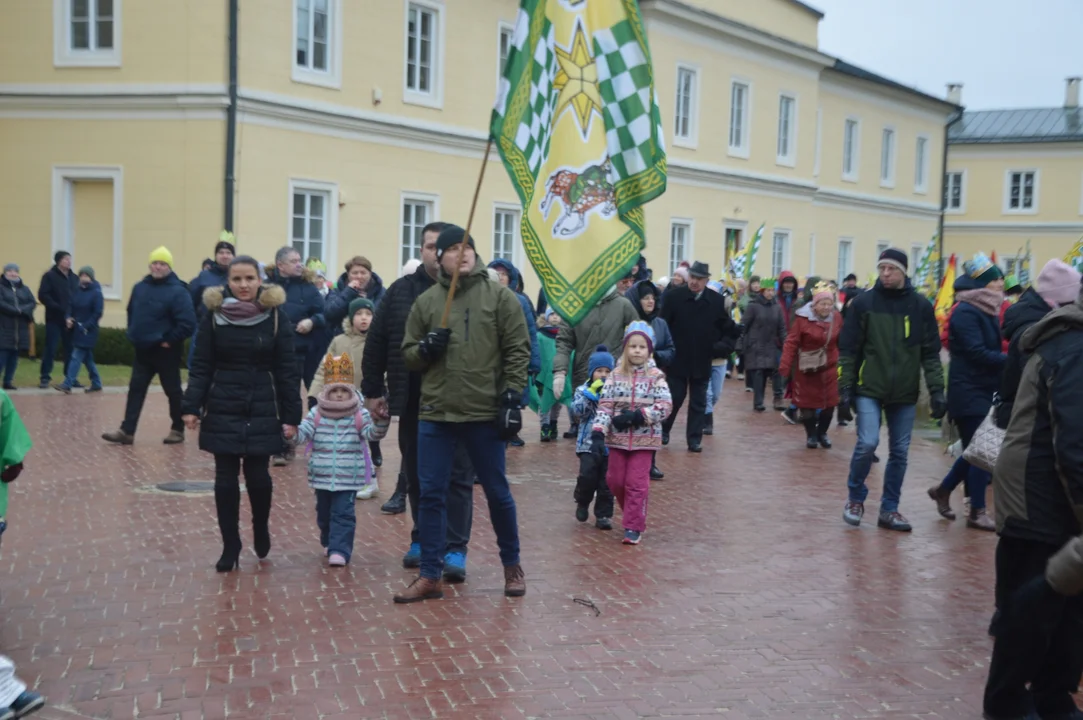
[227,501]
[826,416]
[260,498]
[811,438]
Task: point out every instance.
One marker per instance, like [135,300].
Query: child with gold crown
[337,432]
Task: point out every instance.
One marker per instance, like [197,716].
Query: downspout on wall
[955,117]
[231,116]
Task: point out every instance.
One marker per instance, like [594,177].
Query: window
[1022,191]
[819,141]
[921,165]
[780,252]
[680,243]
[850,149]
[916,251]
[953,192]
[739,128]
[846,258]
[503,48]
[684,121]
[423,53]
[309,229]
[787,130]
[505,233]
[887,159]
[88,220]
[316,42]
[417,212]
[880,248]
[86,33]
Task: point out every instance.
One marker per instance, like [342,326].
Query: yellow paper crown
[337,370]
[822,287]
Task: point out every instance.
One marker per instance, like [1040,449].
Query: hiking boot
[455,567]
[545,432]
[514,581]
[62,388]
[980,520]
[853,512]
[779,405]
[422,588]
[119,437]
[175,437]
[516,442]
[396,505]
[708,426]
[412,558]
[572,432]
[632,537]
[943,502]
[789,415]
[893,521]
[604,524]
[582,513]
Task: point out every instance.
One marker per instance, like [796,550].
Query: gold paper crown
[337,370]
[822,287]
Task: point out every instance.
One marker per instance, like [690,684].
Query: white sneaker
[367,492]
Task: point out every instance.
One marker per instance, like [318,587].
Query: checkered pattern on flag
[577,125]
[741,265]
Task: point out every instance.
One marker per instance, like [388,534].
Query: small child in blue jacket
[339,429]
[590,484]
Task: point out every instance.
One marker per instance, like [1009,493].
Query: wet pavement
[748,598]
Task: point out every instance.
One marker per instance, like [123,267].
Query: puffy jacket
[16,313]
[644,389]
[383,347]
[338,458]
[337,302]
[215,276]
[888,339]
[15,443]
[603,325]
[514,278]
[303,302]
[664,350]
[789,302]
[1038,479]
[87,306]
[160,311]
[976,361]
[702,330]
[489,350]
[1030,308]
[244,381]
[584,407]
[809,333]
[350,342]
[55,294]
[765,333]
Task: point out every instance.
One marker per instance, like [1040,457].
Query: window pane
[316,206]
[421,215]
[315,249]
[319,26]
[298,204]
[105,9]
[321,6]
[105,34]
[80,9]
[319,56]
[299,246]
[80,35]
[315,228]
[298,227]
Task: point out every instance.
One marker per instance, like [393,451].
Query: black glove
[312,402]
[623,420]
[434,344]
[11,472]
[510,420]
[639,418]
[846,405]
[597,443]
[938,405]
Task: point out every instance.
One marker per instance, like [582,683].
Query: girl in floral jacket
[634,401]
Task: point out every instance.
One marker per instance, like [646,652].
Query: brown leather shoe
[943,502]
[514,581]
[420,589]
[119,437]
[173,438]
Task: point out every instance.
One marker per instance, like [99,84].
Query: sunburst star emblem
[577,80]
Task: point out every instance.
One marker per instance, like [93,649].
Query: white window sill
[87,58]
[738,152]
[1009,211]
[687,143]
[786,162]
[955,211]
[850,178]
[316,77]
[921,191]
[887,184]
[432,100]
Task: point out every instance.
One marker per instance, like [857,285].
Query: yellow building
[1015,176]
[343,126]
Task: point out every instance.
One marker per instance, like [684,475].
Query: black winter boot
[812,439]
[396,504]
[376,453]
[822,426]
[260,499]
[227,501]
[545,430]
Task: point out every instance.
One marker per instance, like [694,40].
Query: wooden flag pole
[466,235]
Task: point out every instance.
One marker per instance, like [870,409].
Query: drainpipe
[231,115]
[955,117]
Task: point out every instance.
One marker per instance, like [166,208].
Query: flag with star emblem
[577,125]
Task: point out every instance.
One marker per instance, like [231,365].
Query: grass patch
[28,374]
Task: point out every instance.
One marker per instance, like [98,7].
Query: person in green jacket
[888,339]
[472,367]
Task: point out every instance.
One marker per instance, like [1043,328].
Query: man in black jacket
[702,330]
[58,284]
[383,356]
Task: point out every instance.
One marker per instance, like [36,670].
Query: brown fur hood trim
[307,275]
[271,296]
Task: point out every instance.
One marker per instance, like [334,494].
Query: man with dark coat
[214,275]
[16,321]
[764,335]
[702,330]
[383,358]
[160,319]
[58,284]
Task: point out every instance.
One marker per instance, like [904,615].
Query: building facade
[356,122]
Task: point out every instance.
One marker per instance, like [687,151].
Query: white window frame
[888,155]
[948,209]
[844,271]
[881,246]
[691,138]
[819,142]
[516,237]
[66,56]
[690,227]
[922,161]
[789,159]
[916,251]
[434,97]
[812,254]
[501,28]
[330,222]
[1033,209]
[743,149]
[63,212]
[415,197]
[854,173]
[332,76]
[785,262]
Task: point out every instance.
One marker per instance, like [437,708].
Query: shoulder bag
[810,361]
[984,447]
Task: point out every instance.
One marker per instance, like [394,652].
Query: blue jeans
[56,335]
[9,360]
[435,449]
[900,422]
[714,390]
[80,357]
[337,519]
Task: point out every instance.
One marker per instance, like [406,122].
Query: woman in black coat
[244,390]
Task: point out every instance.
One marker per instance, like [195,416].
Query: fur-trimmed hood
[348,328]
[308,275]
[270,297]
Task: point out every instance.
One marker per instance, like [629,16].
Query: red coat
[819,389]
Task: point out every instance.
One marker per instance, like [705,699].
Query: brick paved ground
[749,598]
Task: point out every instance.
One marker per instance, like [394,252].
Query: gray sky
[1007,53]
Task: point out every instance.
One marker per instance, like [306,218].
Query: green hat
[1011,282]
[87,270]
[768,283]
[361,304]
[983,270]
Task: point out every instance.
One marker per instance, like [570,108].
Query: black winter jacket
[765,333]
[214,276]
[16,312]
[337,303]
[303,302]
[664,350]
[243,382]
[976,361]
[1029,309]
[160,311]
[702,330]
[383,348]
[55,294]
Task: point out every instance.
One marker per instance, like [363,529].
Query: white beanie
[410,267]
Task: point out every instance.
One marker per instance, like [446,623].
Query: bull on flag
[742,263]
[577,125]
